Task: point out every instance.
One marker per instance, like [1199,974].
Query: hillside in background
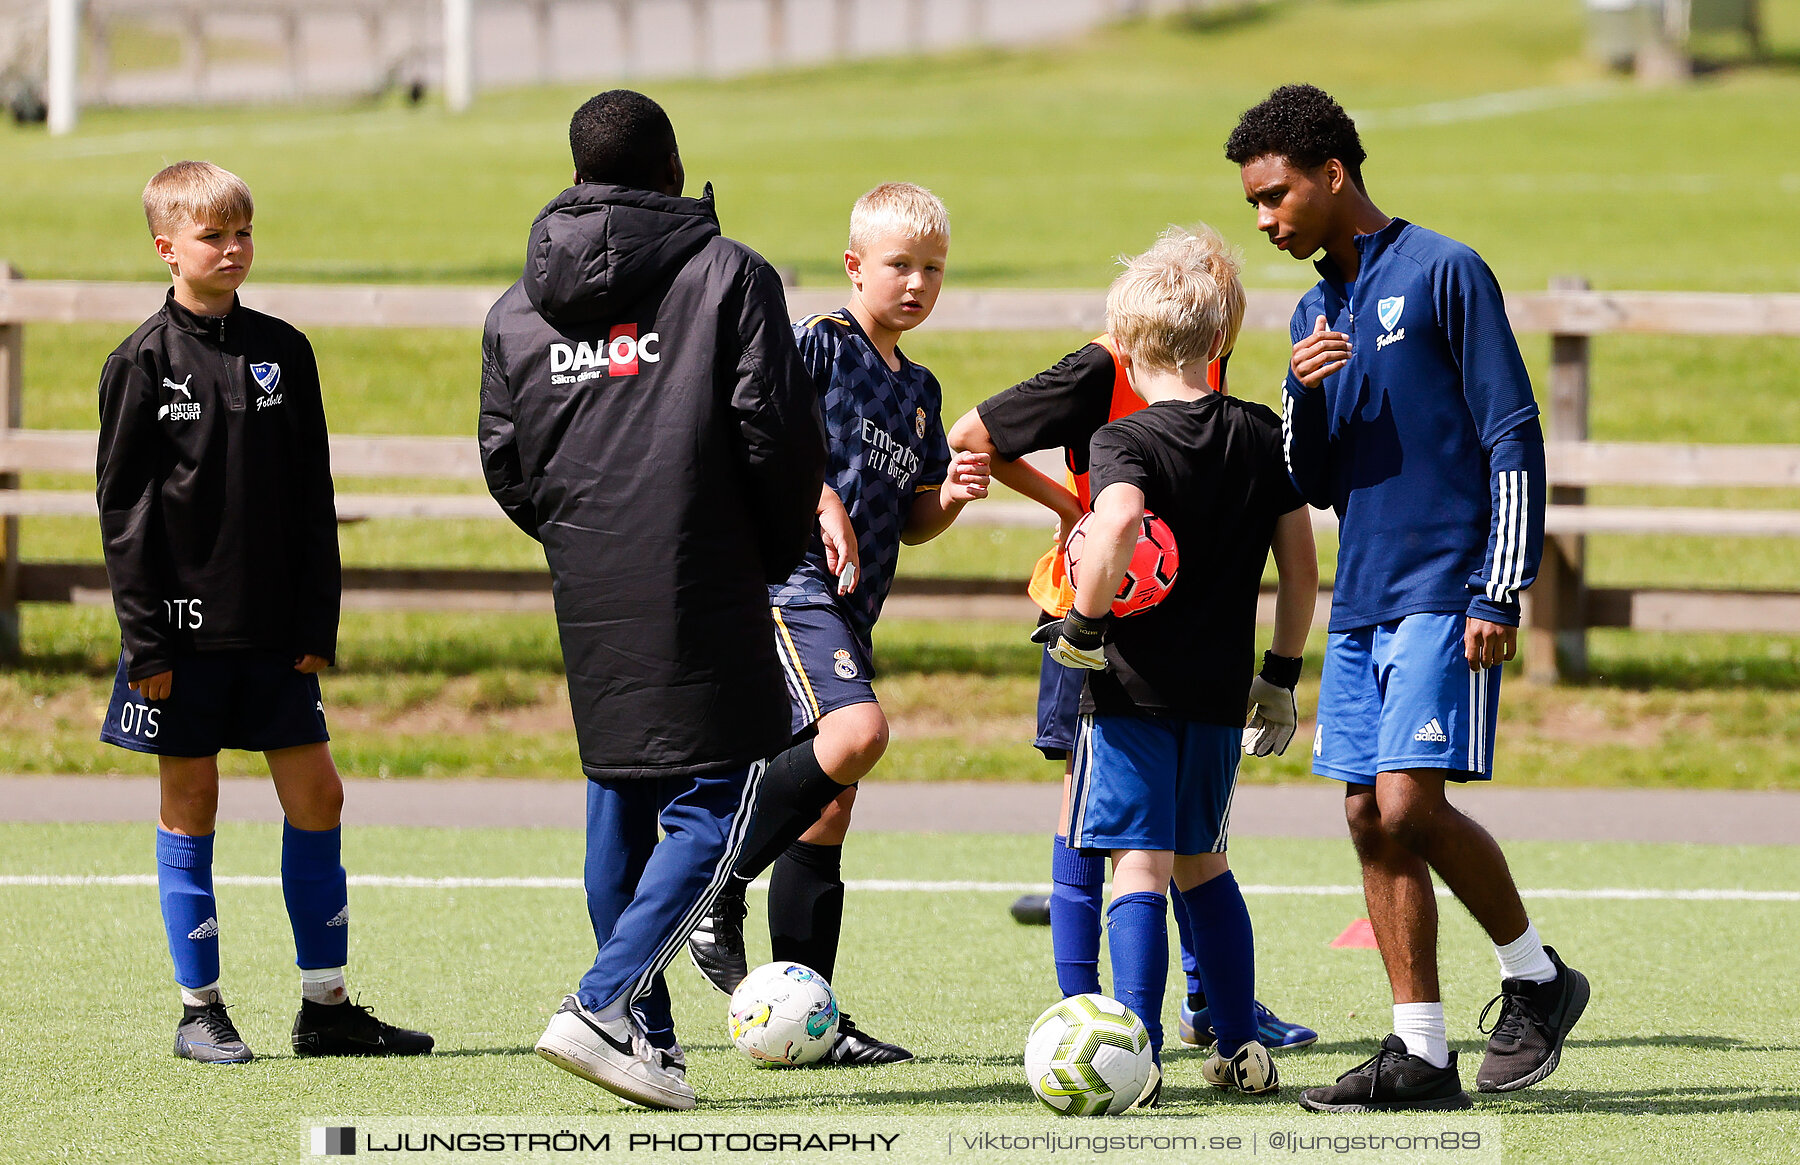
[1483,118]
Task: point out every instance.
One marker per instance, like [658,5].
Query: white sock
[1421,1025]
[201,996]
[323,985]
[1524,958]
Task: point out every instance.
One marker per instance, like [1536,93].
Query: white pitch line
[1482,106]
[894,887]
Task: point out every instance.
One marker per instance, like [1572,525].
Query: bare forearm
[931,515]
[1294,603]
[1026,480]
[1111,537]
[1297,592]
[1102,568]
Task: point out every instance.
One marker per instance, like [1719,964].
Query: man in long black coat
[645,415]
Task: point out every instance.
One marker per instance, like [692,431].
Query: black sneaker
[206,1034]
[1528,1035]
[349,1029]
[717,944]
[1032,910]
[855,1048]
[1391,1081]
[1151,1096]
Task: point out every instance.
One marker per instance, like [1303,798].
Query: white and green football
[782,1015]
[1088,1056]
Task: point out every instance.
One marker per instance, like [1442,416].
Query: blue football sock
[1137,935]
[190,915]
[1184,926]
[1077,879]
[318,901]
[1227,954]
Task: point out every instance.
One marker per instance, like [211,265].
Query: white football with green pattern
[783,1014]
[1088,1056]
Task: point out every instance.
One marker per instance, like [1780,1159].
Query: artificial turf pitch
[1689,1049]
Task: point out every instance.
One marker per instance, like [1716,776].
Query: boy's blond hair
[195,192]
[897,208]
[1168,305]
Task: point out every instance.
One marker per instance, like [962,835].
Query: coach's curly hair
[1302,124]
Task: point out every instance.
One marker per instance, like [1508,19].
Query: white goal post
[64,40]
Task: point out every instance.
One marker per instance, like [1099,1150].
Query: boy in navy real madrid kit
[1407,410]
[890,480]
[1162,709]
[221,547]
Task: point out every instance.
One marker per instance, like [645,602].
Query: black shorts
[827,664]
[250,700]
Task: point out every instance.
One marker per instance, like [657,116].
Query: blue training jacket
[1427,443]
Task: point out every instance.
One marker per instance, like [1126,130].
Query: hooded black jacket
[214,475]
[645,415]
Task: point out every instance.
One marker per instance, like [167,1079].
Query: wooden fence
[1559,609]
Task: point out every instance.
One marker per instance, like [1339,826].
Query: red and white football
[1154,564]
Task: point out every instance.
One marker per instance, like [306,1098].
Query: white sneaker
[615,1055]
[672,1060]
[1250,1071]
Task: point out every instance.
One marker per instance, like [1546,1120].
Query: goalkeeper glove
[1075,641]
[1273,710]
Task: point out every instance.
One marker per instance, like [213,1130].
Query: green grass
[1675,1057]
[420,695]
[1053,161]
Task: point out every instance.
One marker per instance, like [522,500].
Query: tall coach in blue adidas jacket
[1407,410]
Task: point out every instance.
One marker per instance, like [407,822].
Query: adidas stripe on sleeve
[1516,535]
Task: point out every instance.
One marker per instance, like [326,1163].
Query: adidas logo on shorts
[1431,733]
[207,929]
[341,918]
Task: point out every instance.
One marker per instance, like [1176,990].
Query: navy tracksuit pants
[646,896]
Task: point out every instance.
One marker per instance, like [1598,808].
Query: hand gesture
[1319,355]
[156,687]
[1487,644]
[839,538]
[968,477]
[1272,717]
[1075,641]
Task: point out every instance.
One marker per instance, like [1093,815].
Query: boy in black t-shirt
[1163,706]
[1061,408]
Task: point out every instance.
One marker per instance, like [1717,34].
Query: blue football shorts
[250,700]
[827,664]
[1400,695]
[1152,782]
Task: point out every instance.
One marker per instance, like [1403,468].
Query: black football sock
[806,906]
[794,791]
[1196,1000]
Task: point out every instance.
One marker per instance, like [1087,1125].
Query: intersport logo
[620,355]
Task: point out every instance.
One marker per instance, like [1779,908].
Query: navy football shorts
[1152,782]
[826,663]
[250,700]
[1058,707]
